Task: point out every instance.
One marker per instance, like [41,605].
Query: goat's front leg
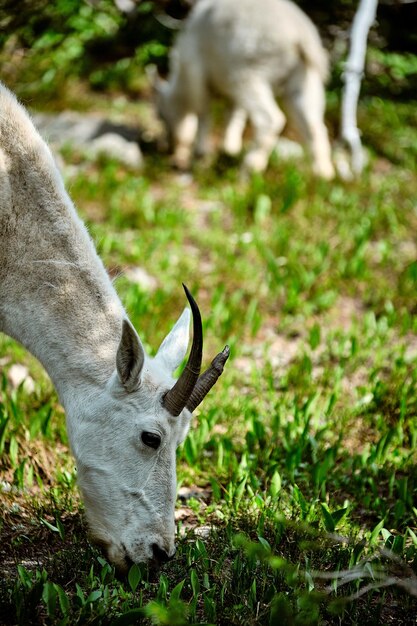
[267,120]
[185,135]
[232,143]
[306,105]
[202,143]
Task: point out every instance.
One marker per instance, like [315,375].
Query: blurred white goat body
[125,415]
[251,52]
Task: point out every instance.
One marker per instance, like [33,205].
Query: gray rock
[92,134]
[67,127]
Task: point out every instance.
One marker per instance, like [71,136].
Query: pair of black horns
[191,388]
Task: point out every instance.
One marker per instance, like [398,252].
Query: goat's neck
[77,331]
[69,317]
[55,296]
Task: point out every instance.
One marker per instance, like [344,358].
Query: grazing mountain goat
[250,52]
[125,413]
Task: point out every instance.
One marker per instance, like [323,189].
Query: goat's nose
[160,555]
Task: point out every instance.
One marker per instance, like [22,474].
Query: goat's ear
[174,347]
[130,358]
[155,80]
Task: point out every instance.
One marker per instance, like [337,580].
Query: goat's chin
[119,559]
[114,554]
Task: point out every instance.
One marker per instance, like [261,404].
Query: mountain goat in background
[251,52]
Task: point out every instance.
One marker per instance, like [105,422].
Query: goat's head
[165,104]
[126,449]
[179,122]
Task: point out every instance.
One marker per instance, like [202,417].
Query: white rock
[116,147]
[92,134]
[19,374]
[141,277]
[288,149]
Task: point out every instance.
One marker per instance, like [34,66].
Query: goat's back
[47,259]
[233,37]
[34,202]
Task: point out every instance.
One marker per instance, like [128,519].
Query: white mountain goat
[125,413]
[250,52]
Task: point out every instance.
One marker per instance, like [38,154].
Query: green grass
[305,452]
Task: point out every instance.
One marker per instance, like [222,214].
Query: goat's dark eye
[152,440]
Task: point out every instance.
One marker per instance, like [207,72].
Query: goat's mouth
[121,559]
[122,562]
[152,567]
[117,556]
[123,566]
[99,542]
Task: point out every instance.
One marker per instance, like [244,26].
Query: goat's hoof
[327,173]
[255,162]
[180,165]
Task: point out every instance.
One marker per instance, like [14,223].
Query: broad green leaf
[275,486]
[375,532]
[327,519]
[94,596]
[49,597]
[176,592]
[134,577]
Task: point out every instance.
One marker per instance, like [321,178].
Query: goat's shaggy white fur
[252,52]
[58,301]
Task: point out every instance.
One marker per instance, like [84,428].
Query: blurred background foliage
[107,43]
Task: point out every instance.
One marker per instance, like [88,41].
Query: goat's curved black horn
[177,397]
[208,379]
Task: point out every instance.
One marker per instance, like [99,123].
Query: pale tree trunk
[362,22]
